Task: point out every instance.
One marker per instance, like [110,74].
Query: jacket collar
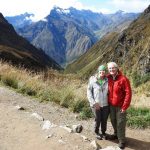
[116,77]
[105,80]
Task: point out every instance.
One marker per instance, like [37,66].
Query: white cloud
[105,11]
[130,5]
[41,8]
[111,6]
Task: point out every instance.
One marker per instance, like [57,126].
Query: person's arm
[128,95]
[90,95]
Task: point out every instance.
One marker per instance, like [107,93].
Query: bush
[145,78]
[138,79]
[82,107]
[10,81]
[66,99]
[27,90]
[86,113]
[50,95]
[138,117]
[44,95]
[78,105]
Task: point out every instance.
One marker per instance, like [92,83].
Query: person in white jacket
[97,94]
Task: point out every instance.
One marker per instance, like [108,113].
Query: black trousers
[101,117]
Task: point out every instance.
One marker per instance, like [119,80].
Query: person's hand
[122,111]
[97,106]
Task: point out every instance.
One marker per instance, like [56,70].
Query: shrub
[136,79]
[27,90]
[138,117]
[78,105]
[44,95]
[139,79]
[10,81]
[66,99]
[49,95]
[86,113]
[82,107]
[145,78]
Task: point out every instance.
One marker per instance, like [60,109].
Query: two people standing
[118,91]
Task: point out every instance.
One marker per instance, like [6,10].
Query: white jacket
[97,93]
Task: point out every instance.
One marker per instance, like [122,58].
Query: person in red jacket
[119,99]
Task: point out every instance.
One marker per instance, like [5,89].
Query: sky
[41,8]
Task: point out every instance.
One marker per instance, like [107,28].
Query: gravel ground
[20,131]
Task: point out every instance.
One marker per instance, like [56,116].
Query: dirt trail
[20,131]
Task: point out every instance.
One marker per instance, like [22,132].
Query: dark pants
[101,117]
[118,121]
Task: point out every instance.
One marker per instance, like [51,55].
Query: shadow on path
[137,144]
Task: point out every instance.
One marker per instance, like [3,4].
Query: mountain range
[18,51]
[66,34]
[130,49]
[21,20]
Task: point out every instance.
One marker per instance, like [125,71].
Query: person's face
[112,69]
[101,73]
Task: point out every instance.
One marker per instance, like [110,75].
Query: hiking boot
[98,136]
[121,145]
[105,136]
[112,137]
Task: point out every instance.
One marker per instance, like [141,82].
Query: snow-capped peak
[62,11]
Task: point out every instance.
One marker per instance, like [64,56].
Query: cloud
[111,6]
[41,8]
[105,10]
[130,5]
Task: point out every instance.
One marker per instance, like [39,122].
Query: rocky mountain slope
[68,33]
[19,51]
[61,37]
[130,49]
[119,21]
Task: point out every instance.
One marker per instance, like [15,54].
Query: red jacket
[119,91]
